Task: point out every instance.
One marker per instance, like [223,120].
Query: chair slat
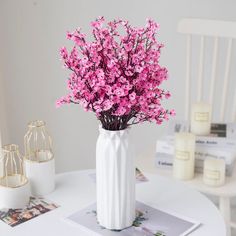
[213,70]
[200,70]
[226,81]
[188,71]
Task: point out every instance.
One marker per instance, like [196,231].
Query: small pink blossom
[172,112]
[138,69]
[166,117]
[120,111]
[167,95]
[129,73]
[64,53]
[132,96]
[107,105]
[128,47]
[119,92]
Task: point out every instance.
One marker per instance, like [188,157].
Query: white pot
[115,175]
[41,176]
[14,196]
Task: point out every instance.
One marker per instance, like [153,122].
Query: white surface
[33,77]
[115,179]
[41,176]
[75,191]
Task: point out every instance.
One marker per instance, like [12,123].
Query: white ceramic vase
[115,175]
[41,176]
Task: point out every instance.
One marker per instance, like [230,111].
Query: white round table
[225,193]
[76,190]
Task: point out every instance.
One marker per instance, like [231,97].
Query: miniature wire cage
[38,143]
[13,175]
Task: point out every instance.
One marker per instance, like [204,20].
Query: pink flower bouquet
[118,75]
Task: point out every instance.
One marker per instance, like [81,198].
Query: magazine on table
[140,177]
[36,207]
[149,222]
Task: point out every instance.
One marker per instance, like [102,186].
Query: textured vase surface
[115,179]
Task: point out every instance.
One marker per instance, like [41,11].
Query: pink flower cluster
[117,75]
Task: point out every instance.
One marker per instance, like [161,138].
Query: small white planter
[115,175]
[14,196]
[41,176]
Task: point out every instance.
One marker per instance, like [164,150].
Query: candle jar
[201,118]
[183,167]
[39,160]
[14,185]
[214,172]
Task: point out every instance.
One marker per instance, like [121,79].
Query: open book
[149,222]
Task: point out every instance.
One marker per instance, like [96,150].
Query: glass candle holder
[39,159]
[14,185]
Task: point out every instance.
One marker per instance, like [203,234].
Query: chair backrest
[214,30]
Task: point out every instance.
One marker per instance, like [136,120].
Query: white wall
[3,118]
[31,33]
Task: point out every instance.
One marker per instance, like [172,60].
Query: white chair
[207,31]
[213,30]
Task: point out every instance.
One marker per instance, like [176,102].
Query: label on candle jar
[212,174]
[182,155]
[201,116]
